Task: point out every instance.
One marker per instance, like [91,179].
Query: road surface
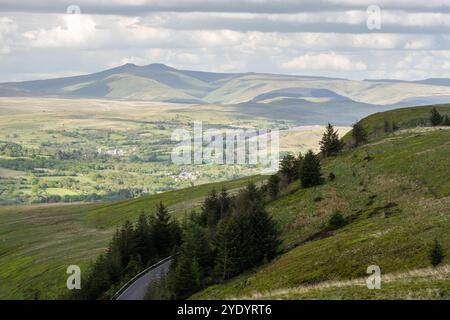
[138,289]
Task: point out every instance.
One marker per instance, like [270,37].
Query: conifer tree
[125,243]
[435,117]
[273,186]
[287,167]
[359,134]
[184,278]
[247,237]
[225,203]
[310,172]
[262,234]
[232,247]
[143,240]
[196,244]
[211,208]
[330,144]
[164,232]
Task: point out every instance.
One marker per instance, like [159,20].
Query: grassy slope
[405,117]
[38,242]
[399,202]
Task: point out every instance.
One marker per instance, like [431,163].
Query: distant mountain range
[259,94]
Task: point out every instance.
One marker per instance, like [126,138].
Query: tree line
[229,235]
[133,248]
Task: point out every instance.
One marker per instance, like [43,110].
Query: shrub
[331,176]
[337,220]
[436,254]
[435,117]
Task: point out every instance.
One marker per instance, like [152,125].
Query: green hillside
[38,242]
[405,118]
[394,192]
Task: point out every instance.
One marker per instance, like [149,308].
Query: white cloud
[8,28]
[326,38]
[73,31]
[323,61]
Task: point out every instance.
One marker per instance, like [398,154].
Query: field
[62,150]
[394,192]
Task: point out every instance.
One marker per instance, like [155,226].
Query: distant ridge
[159,82]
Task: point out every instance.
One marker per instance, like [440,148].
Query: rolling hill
[158,82]
[394,193]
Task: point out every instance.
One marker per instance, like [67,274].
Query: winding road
[136,288]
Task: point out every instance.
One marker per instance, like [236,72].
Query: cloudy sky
[406,39]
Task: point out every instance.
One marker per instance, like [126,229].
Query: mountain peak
[159,67]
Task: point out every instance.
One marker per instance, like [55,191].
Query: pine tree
[297,165]
[232,247]
[287,167]
[97,281]
[196,244]
[330,144]
[436,254]
[247,237]
[246,197]
[164,232]
[290,165]
[310,172]
[225,203]
[262,234]
[435,117]
[114,267]
[125,243]
[183,278]
[211,208]
[359,134]
[143,240]
[273,186]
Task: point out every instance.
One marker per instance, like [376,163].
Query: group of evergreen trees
[304,168]
[228,236]
[307,168]
[133,248]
